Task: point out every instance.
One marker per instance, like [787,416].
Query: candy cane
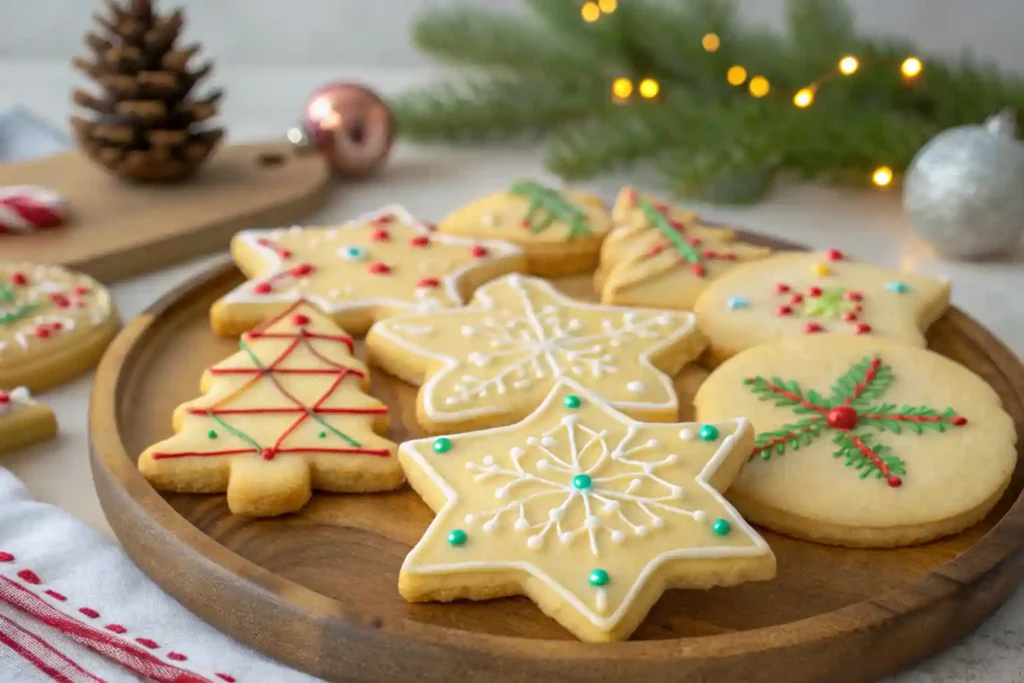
[25,208]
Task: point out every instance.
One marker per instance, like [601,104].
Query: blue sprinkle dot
[897,286]
[353,252]
[736,302]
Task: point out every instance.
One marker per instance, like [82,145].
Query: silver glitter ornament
[964,191]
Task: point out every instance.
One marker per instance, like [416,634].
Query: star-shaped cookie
[23,420]
[358,272]
[796,294]
[586,511]
[494,360]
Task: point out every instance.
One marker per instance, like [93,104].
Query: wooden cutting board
[319,589]
[118,230]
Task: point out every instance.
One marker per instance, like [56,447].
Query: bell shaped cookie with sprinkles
[286,414]
[586,511]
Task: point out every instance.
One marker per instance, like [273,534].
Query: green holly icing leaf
[548,206]
[831,304]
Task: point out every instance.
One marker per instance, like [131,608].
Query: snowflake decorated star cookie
[285,415]
[54,324]
[798,294]
[586,511]
[23,420]
[862,441]
[493,361]
[358,272]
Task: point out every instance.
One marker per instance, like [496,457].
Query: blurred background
[376,32]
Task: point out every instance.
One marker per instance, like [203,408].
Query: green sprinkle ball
[599,577]
[581,481]
[709,433]
[212,434]
[457,537]
[322,435]
[572,401]
[721,527]
[442,444]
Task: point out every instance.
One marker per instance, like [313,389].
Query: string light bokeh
[758,86]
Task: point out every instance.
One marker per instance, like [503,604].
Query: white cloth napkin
[74,609]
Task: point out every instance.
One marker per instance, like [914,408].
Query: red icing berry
[814,291]
[781,287]
[80,291]
[849,316]
[854,296]
[693,241]
[698,269]
[959,421]
[811,328]
[862,328]
[268,453]
[300,319]
[302,269]
[841,417]
[709,253]
[783,310]
[380,235]
[834,255]
[478,251]
[262,288]
[428,282]
[19,278]
[379,268]
[419,241]
[894,481]
[796,299]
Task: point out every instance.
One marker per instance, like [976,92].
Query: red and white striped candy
[25,208]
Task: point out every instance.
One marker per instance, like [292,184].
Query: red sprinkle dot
[630,196]
[80,291]
[42,332]
[29,576]
[380,235]
[56,326]
[6,557]
[428,282]
[693,241]
[811,328]
[959,421]
[300,319]
[176,656]
[302,269]
[849,316]
[678,226]
[894,481]
[478,251]
[862,328]
[709,253]
[699,270]
[4,399]
[383,220]
[834,255]
[814,291]
[729,256]
[146,642]
[116,628]
[655,250]
[781,287]
[60,301]
[783,310]
[263,288]
[379,268]
[89,612]
[854,296]
[19,278]
[268,453]
[419,241]
[796,299]
[661,208]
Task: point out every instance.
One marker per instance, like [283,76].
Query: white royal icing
[17,396]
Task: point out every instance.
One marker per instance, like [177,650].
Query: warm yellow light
[590,12]
[759,86]
[848,65]
[608,6]
[804,98]
[736,75]
[911,67]
[882,176]
[648,88]
[711,42]
[622,88]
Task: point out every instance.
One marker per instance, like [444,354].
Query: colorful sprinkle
[722,527]
[781,287]
[322,435]
[814,291]
[854,296]
[212,434]
[821,270]
[862,328]
[300,320]
[354,253]
[698,269]
[736,302]
[834,255]
[897,287]
[19,279]
[428,282]
[708,433]
[380,235]
[378,268]
[302,270]
[582,482]
[572,401]
[849,316]
[419,241]
[457,537]
[796,299]
[599,577]
[783,310]
[478,252]
[442,444]
[811,328]
[262,288]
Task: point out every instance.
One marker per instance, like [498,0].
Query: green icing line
[6,297]
[661,223]
[237,432]
[552,206]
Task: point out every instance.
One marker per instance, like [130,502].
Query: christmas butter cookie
[589,513]
[358,272]
[862,441]
[561,231]
[493,361]
[638,227]
[23,421]
[54,324]
[797,294]
[286,414]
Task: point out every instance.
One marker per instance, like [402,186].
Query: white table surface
[262,102]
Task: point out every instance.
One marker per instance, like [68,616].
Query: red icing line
[280,251]
[869,375]
[870,455]
[279,371]
[956,420]
[286,411]
[29,576]
[793,397]
[56,596]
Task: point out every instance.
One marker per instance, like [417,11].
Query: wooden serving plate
[318,589]
[117,230]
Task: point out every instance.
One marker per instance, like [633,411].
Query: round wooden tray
[318,589]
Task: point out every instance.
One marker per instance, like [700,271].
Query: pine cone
[149,128]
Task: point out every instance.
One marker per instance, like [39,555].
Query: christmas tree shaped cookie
[586,511]
[370,268]
[560,230]
[493,361]
[286,414]
[862,441]
[23,421]
[807,293]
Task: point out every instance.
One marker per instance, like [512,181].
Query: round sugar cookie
[861,441]
[801,294]
[54,324]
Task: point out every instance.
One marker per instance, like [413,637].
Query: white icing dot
[479,359]
[535,541]
[640,530]
[635,387]
[646,467]
[501,493]
[569,420]
[700,516]
[522,524]
[470,518]
[611,506]
[548,441]
[592,522]
[488,460]
[531,440]
[686,434]
[490,525]
[617,536]
[516,452]
[542,465]
[470,466]
[676,492]
[652,443]
[556,514]
[468,330]
[333,293]
[565,537]
[657,522]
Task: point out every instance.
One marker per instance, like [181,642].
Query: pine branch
[786,393]
[893,418]
[867,379]
[789,436]
[858,452]
[551,206]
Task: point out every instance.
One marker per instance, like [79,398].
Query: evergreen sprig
[852,447]
[788,437]
[888,417]
[854,387]
[547,74]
